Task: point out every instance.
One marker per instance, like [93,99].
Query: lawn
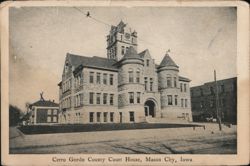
[68,128]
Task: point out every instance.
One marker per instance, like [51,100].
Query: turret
[168,82]
[130,85]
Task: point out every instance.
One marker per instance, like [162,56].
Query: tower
[130,86]
[168,80]
[120,38]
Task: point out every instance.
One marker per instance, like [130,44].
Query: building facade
[125,87]
[203,101]
[43,112]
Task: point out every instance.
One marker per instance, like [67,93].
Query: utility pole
[217,102]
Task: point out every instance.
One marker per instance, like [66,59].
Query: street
[147,141]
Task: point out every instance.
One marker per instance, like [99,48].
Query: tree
[14,115]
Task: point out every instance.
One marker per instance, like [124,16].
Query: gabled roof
[167,61]
[142,54]
[95,62]
[45,103]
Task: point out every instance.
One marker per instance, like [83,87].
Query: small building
[203,101]
[44,112]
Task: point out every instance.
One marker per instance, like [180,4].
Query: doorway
[149,108]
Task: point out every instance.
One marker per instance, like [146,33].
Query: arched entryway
[150,108]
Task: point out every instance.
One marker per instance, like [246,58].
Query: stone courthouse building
[125,87]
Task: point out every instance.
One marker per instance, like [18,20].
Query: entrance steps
[150,119]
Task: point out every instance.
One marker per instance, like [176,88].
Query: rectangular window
[131,116]
[151,84]
[98,78]
[212,90]
[98,98]
[76,101]
[170,102]
[169,82]
[138,77]
[105,96]
[81,99]
[222,89]
[54,119]
[126,49]
[131,97]
[91,98]
[91,117]
[185,102]
[48,119]
[211,103]
[105,79]
[223,102]
[138,97]
[175,82]
[201,90]
[130,75]
[55,112]
[182,104]
[181,86]
[202,104]
[111,79]
[105,115]
[91,77]
[111,99]
[147,62]
[145,82]
[111,116]
[98,117]
[176,100]
[123,50]
[49,112]
[185,87]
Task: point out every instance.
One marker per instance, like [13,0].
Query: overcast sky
[200,40]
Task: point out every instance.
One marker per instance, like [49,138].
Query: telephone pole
[217,102]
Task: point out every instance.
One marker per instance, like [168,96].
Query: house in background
[204,102]
[43,112]
[125,87]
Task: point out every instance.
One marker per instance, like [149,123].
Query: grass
[69,128]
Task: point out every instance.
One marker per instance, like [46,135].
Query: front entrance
[149,108]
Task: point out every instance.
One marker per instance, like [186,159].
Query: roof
[184,79]
[142,54]
[167,61]
[131,54]
[95,62]
[45,103]
[212,83]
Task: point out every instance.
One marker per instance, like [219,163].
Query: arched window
[169,81]
[123,50]
[175,82]
[79,100]
[138,76]
[130,76]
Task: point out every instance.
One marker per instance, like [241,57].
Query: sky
[200,40]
